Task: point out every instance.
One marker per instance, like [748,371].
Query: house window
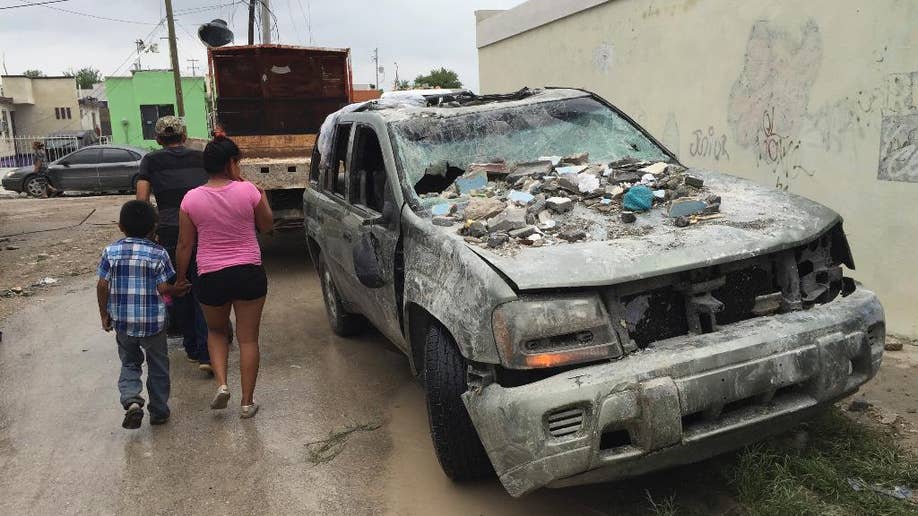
[68,114]
[57,113]
[149,114]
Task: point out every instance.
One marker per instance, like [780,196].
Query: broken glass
[520,134]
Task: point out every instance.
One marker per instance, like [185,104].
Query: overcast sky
[417,34]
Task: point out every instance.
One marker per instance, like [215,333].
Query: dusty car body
[594,360]
[96,168]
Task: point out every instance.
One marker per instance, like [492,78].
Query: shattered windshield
[518,135]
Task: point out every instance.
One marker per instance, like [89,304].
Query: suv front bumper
[680,401]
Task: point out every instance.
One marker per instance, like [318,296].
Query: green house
[136,102]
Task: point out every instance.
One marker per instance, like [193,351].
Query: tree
[31,74]
[403,85]
[85,77]
[442,78]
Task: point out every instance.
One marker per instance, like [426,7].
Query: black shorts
[238,283]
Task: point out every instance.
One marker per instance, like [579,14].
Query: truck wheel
[458,447]
[343,323]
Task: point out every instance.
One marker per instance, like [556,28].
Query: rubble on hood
[496,204]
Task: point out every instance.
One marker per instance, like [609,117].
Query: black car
[97,168]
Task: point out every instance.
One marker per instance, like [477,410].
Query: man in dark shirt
[169,173]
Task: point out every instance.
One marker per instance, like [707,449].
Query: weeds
[772,479]
[324,450]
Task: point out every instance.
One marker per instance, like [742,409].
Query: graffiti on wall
[899,132]
[709,144]
[768,103]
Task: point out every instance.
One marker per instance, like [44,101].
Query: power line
[36,4]
[89,15]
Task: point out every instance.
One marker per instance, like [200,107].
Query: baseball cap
[170,125]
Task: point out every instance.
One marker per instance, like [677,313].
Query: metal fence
[17,151]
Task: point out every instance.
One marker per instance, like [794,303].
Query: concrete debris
[656,169]
[524,232]
[480,208]
[560,204]
[498,239]
[893,345]
[686,206]
[693,181]
[587,182]
[521,198]
[576,159]
[539,202]
[572,234]
[508,220]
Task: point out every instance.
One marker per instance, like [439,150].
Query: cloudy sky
[416,34]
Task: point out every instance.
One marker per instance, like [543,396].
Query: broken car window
[336,181]
[368,177]
[443,147]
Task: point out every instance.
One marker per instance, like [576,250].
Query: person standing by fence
[40,167]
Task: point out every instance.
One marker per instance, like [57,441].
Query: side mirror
[368,261]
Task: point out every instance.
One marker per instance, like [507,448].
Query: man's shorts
[238,283]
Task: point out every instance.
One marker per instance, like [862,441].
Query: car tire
[35,186]
[455,439]
[342,322]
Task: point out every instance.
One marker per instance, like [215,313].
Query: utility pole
[251,22]
[376,67]
[173,53]
[194,66]
[265,22]
[397,85]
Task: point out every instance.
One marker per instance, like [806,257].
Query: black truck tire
[455,440]
[343,323]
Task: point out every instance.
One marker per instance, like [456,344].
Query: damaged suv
[579,306]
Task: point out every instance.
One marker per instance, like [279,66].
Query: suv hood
[756,220]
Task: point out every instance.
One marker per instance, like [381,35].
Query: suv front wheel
[343,323]
[458,447]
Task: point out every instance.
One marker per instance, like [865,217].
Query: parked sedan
[97,168]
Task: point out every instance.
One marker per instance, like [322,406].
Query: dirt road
[62,449]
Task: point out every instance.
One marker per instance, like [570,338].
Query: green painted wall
[127,94]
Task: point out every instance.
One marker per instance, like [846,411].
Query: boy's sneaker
[221,399]
[132,417]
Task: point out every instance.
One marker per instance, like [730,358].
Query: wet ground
[62,449]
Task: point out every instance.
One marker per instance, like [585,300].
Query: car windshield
[521,134]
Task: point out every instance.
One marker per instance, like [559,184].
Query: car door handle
[347,236]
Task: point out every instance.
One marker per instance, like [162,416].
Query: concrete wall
[127,94]
[817,97]
[36,100]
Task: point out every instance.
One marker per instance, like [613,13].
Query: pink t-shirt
[225,220]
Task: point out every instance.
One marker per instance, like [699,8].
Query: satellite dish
[215,33]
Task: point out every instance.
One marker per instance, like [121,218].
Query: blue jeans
[187,310]
[131,350]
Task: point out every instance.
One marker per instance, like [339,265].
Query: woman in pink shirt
[222,216]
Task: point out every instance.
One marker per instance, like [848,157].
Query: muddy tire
[343,323]
[35,186]
[455,440]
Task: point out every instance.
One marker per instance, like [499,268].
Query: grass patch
[773,478]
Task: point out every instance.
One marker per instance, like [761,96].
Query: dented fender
[459,289]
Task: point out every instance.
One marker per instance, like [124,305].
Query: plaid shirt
[134,267]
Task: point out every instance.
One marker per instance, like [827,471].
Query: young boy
[133,276]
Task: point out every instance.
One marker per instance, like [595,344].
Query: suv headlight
[536,332]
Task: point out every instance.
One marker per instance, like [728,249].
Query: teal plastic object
[638,198]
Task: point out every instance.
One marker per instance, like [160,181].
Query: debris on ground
[859,405]
[324,450]
[495,204]
[898,492]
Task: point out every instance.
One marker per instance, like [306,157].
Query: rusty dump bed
[276,89]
